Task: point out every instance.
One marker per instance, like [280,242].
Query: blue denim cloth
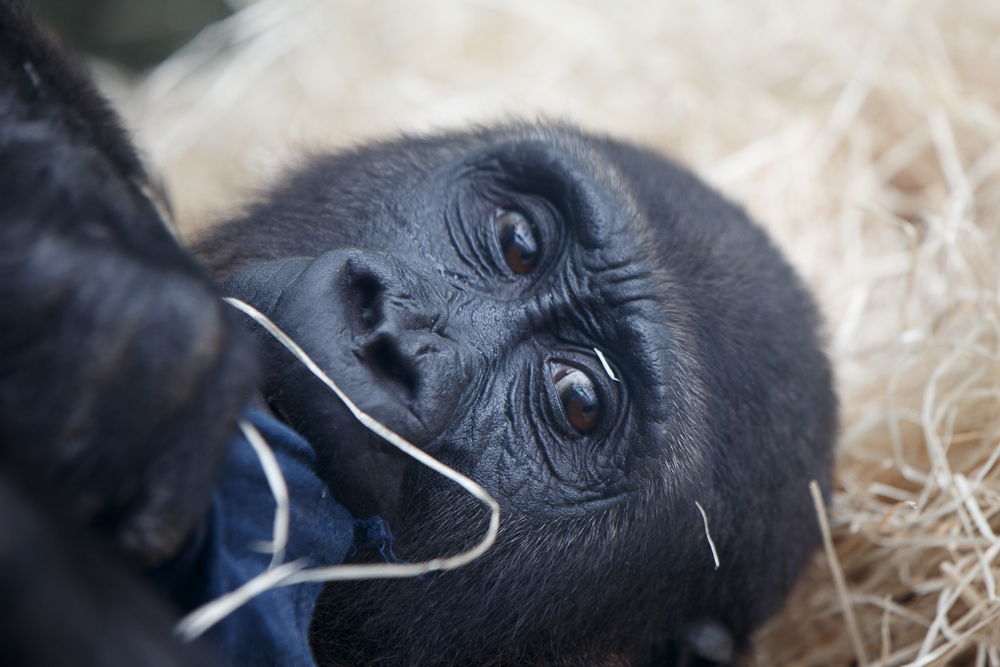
[273,628]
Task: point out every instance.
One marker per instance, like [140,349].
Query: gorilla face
[463,290]
[471,328]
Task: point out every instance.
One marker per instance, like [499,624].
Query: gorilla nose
[378,328]
[396,318]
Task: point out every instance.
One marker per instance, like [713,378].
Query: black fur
[121,377]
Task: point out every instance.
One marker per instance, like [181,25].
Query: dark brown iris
[517,241]
[578,396]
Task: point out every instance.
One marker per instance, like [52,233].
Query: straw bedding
[865,136]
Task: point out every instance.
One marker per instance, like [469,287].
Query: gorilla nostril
[364,305]
[386,361]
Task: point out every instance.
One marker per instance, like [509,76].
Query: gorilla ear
[710,639]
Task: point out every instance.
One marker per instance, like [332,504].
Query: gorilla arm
[122,375]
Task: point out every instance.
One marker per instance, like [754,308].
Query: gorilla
[616,353]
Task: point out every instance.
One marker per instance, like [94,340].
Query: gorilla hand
[121,376]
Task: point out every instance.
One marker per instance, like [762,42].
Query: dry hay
[865,136]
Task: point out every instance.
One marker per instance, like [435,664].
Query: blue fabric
[273,628]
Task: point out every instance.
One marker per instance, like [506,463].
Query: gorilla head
[590,333]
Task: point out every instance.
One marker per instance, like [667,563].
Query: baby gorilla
[585,329]
[605,344]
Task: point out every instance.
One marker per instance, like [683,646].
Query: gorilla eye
[577,395]
[517,240]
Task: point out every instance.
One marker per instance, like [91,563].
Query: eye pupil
[578,396]
[517,241]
